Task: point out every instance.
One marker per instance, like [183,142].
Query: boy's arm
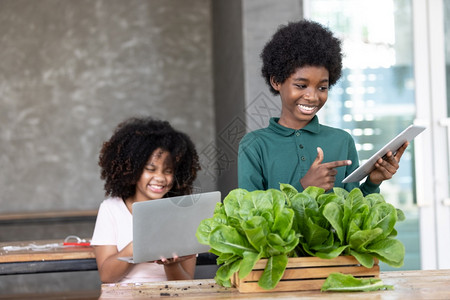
[368,187]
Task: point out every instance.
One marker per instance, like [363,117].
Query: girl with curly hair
[145,159]
[300,64]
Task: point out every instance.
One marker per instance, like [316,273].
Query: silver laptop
[167,226]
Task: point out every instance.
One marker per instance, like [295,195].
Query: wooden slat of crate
[305,273]
[299,262]
[321,272]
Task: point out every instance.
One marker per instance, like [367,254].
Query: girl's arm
[180,268]
[109,267]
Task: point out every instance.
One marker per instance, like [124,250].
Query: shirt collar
[313,127]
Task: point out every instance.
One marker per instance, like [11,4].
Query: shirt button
[301,146]
[297,133]
[303,158]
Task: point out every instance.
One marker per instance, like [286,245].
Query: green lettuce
[346,223]
[278,224]
[249,226]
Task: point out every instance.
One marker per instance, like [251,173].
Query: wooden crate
[305,273]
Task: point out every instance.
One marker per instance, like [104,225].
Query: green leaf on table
[338,282]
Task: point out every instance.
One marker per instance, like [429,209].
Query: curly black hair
[123,157]
[299,44]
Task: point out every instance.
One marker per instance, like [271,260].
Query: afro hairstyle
[299,44]
[123,157]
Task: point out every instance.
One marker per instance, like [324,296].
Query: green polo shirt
[277,154]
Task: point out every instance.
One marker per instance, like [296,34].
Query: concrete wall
[72,70]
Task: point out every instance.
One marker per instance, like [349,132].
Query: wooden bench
[49,216]
[46,225]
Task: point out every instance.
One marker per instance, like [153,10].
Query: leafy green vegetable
[346,223]
[249,226]
[338,282]
[278,224]
[273,272]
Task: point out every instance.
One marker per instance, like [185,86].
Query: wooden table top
[45,250]
[425,284]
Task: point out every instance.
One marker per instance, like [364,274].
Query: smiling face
[302,95]
[157,177]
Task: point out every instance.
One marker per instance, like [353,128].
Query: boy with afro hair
[300,64]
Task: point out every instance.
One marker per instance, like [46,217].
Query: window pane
[447,50]
[374,100]
[447,64]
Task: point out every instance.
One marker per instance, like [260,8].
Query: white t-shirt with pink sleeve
[114,226]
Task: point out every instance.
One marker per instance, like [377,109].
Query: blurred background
[71,70]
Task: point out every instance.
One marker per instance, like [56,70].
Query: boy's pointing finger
[338,163]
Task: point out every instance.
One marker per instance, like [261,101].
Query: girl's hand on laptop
[174,259]
[179,267]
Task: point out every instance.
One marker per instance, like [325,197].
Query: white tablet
[405,136]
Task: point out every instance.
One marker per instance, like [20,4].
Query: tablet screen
[405,136]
